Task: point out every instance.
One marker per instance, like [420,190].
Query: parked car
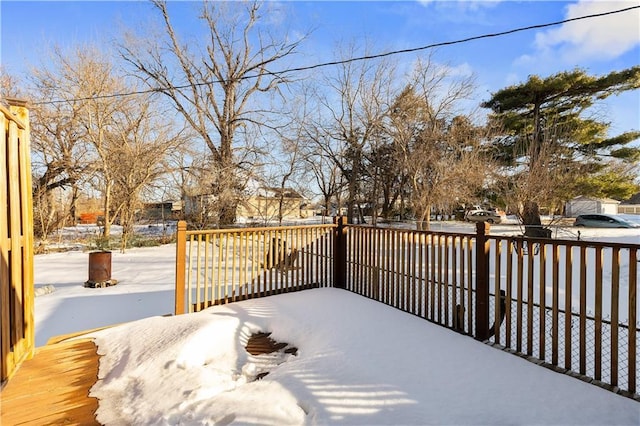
[604,221]
[633,218]
[483,216]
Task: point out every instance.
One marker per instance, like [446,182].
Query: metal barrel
[99,266]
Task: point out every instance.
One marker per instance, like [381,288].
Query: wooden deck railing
[227,265]
[569,304]
[16,241]
[572,304]
[428,274]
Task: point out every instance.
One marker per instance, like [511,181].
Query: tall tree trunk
[106,230]
[531,210]
[374,201]
[532,223]
[423,220]
[280,207]
[73,205]
[228,213]
[227,199]
[354,187]
[423,216]
[327,207]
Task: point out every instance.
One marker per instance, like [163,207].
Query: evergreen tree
[547,131]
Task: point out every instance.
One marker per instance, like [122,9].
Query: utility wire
[350,60]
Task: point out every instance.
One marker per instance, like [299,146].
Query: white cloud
[600,38]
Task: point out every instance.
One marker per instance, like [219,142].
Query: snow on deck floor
[358,362]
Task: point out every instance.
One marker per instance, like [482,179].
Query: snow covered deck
[54,387]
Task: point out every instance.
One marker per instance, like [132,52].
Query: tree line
[211,118]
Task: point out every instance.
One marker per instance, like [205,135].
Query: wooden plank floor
[52,388]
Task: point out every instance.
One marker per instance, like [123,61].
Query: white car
[483,216]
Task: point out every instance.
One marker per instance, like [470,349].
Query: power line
[346,61]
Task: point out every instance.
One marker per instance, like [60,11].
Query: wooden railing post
[482,282]
[181,254]
[19,108]
[340,252]
[17,336]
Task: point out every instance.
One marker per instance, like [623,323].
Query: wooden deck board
[53,387]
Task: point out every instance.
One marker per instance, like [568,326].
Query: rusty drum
[100,270]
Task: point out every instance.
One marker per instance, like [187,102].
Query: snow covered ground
[358,362]
[146,285]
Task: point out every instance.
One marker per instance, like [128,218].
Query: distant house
[265,204]
[630,206]
[159,211]
[195,204]
[587,205]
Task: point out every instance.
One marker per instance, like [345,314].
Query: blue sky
[599,45]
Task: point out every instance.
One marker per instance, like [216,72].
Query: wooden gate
[16,240]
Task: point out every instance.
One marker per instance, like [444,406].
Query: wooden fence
[227,265]
[569,304]
[16,241]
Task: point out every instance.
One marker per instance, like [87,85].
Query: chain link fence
[541,346]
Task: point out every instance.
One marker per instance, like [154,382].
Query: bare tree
[117,143]
[389,180]
[57,160]
[61,156]
[215,85]
[9,85]
[289,160]
[549,181]
[143,138]
[326,176]
[91,76]
[439,150]
[356,105]
[60,161]
[287,168]
[319,150]
[448,165]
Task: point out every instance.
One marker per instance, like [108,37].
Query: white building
[630,206]
[586,205]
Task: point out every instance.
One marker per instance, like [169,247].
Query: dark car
[604,221]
